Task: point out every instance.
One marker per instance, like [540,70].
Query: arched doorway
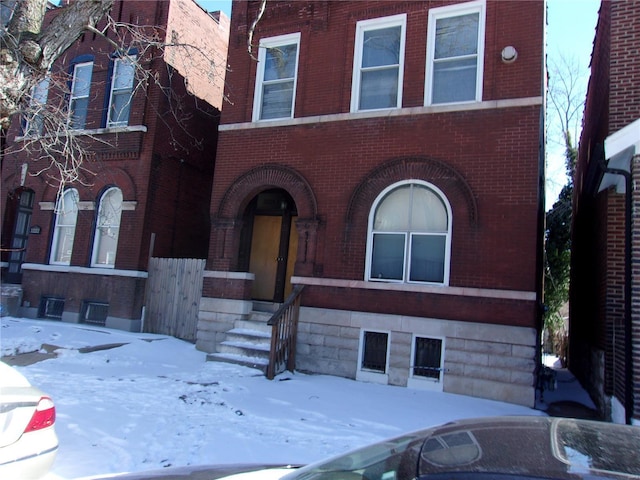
[268,245]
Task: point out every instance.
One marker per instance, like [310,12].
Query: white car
[28,440]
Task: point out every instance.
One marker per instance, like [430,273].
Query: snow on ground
[155,402]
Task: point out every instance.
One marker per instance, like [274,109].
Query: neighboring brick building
[604,350]
[82,255]
[387,155]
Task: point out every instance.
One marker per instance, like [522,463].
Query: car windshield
[392,459]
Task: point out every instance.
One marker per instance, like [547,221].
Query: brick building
[81,254]
[387,156]
[604,350]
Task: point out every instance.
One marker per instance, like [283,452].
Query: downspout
[628,344]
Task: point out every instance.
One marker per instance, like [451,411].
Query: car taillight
[43,417]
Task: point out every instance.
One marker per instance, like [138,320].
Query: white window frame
[436,14]
[120,91]
[366,375]
[56,241]
[408,235]
[95,254]
[37,103]
[426,383]
[74,96]
[369,25]
[265,44]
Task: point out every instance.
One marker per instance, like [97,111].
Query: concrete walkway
[566,397]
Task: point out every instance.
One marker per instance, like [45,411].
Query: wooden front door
[274,243]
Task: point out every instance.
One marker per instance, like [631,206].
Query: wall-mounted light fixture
[509,54]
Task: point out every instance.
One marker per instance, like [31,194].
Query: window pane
[427,258]
[277,99]
[428,212]
[64,245]
[387,261]
[120,106]
[79,108]
[280,62]
[82,80]
[392,214]
[379,89]
[381,47]
[374,355]
[457,36]
[108,228]
[454,81]
[123,74]
[426,360]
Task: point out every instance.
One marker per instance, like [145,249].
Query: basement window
[374,357]
[51,307]
[94,313]
[426,367]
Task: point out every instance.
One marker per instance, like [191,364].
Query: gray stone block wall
[488,361]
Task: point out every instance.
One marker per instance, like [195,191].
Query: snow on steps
[248,343]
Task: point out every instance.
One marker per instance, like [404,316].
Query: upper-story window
[455,47]
[79,98]
[409,237]
[378,63]
[34,121]
[105,242]
[64,230]
[121,91]
[276,77]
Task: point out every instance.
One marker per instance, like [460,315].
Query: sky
[570,33]
[154,401]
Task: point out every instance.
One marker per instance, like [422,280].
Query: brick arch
[438,173]
[90,189]
[248,185]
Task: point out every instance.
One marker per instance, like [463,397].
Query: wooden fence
[172,298]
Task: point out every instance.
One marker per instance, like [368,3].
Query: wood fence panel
[174,289]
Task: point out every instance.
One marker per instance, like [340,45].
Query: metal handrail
[284,331]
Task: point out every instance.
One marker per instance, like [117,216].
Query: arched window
[105,241]
[409,237]
[65,227]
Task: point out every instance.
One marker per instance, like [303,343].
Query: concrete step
[255,337]
[251,362]
[245,348]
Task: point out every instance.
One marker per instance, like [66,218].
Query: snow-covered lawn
[155,401]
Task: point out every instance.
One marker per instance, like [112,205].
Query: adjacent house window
[79,98]
[35,117]
[65,228]
[427,359]
[409,235]
[121,91]
[105,243]
[276,78]
[455,47]
[378,63]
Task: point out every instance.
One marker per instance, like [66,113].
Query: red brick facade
[162,161]
[602,353]
[483,156]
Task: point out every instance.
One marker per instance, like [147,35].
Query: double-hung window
[409,235]
[455,50]
[105,242]
[65,227]
[121,91]
[37,105]
[378,63]
[79,98]
[276,77]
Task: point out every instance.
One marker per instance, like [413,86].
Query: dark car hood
[198,472]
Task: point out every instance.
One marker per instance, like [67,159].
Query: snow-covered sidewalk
[154,401]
